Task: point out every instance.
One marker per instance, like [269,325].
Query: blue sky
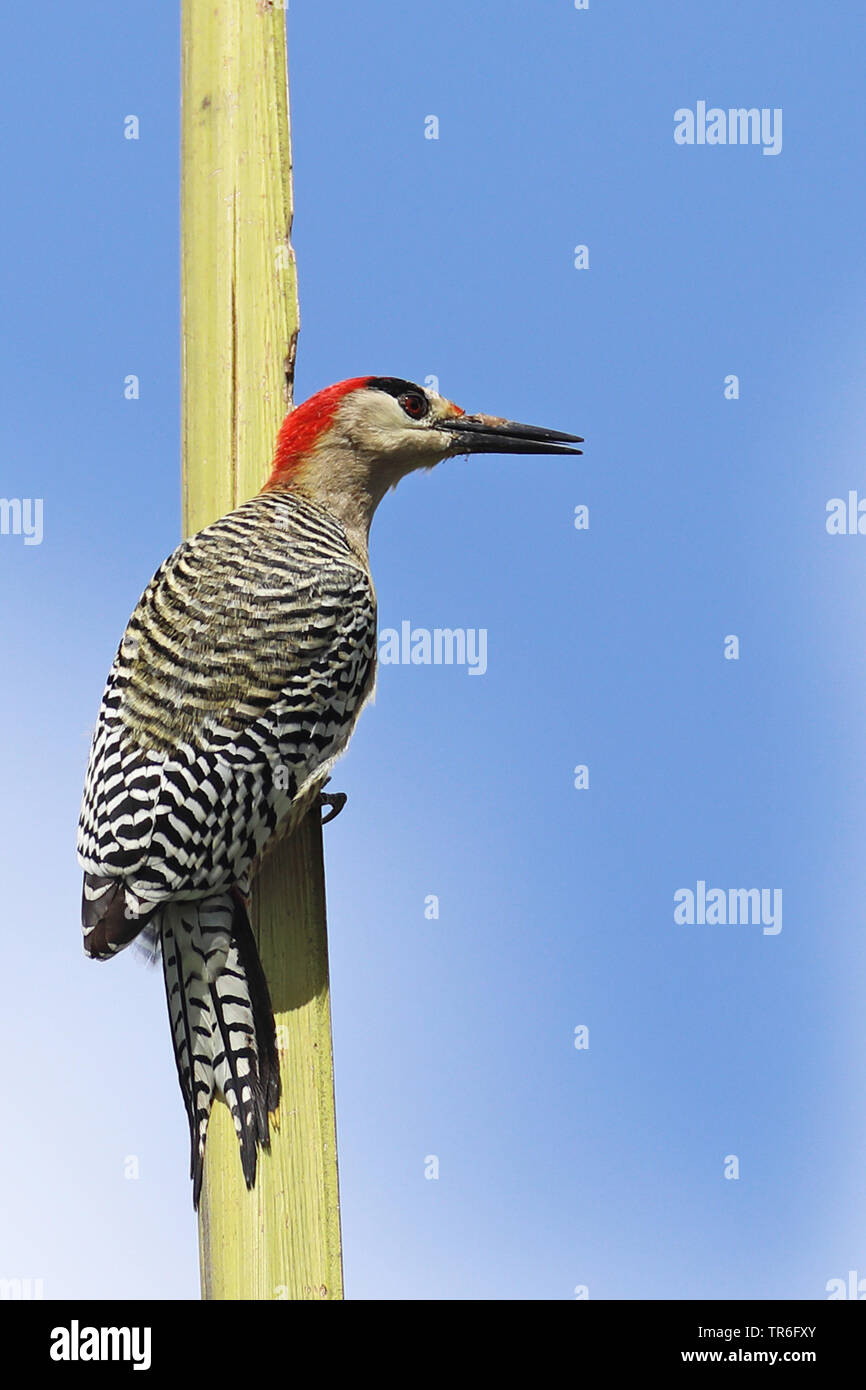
[559,1167]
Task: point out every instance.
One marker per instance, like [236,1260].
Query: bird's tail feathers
[222,1022]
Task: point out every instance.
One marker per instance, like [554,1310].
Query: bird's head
[345,446]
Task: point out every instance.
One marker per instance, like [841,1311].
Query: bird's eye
[415,405]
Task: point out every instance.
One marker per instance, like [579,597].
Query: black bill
[485,434]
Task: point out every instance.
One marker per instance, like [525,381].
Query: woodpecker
[236,686]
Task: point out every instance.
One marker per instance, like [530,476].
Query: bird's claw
[336,801]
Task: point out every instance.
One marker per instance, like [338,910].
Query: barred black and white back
[237,684]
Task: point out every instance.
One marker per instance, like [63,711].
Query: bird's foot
[335,800]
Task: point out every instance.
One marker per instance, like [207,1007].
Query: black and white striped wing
[238,680]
